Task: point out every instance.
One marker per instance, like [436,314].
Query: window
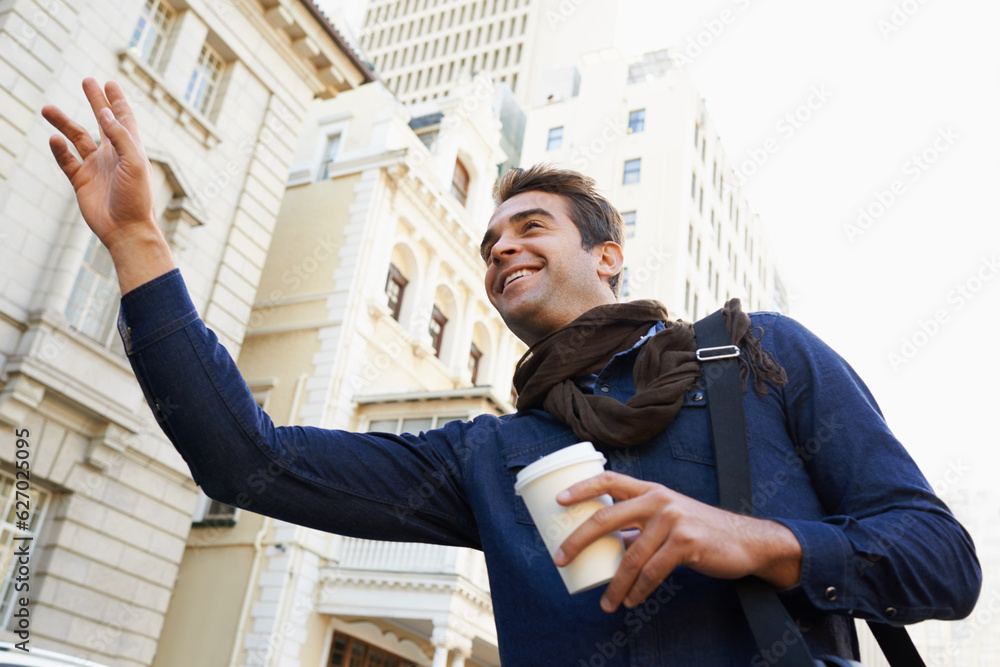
[210,512]
[436,329]
[93,305]
[395,285]
[151,31]
[350,652]
[632,168]
[629,218]
[204,80]
[555,139]
[694,185]
[13,538]
[399,425]
[329,155]
[475,355]
[460,183]
[637,120]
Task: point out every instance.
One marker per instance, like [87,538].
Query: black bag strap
[768,619]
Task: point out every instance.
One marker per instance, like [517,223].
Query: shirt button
[831,594]
[697,396]
[890,612]
[605,388]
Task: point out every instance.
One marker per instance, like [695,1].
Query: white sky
[893,89]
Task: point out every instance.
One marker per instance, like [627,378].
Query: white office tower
[421,49]
[638,126]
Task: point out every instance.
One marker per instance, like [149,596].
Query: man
[844,524]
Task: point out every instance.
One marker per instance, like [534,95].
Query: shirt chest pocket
[691,470]
[690,434]
[524,453]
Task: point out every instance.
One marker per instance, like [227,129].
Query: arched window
[436,329]
[395,284]
[460,183]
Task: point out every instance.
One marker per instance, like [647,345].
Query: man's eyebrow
[491,234]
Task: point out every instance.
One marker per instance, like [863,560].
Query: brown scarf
[664,370]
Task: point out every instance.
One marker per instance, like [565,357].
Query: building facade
[691,239]
[220,89]
[422,49]
[371,316]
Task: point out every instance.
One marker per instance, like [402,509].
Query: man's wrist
[140,257]
[781,555]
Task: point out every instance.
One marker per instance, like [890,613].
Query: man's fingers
[616,485]
[654,570]
[122,109]
[73,131]
[64,158]
[95,95]
[119,137]
[626,514]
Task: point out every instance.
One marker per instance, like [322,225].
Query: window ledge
[193,120]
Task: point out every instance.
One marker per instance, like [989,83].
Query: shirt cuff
[154,310]
[826,560]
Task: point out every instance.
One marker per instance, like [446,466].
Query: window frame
[97,324]
[345,656]
[459,190]
[9,532]
[637,121]
[203,101]
[395,277]
[330,152]
[437,333]
[555,141]
[475,357]
[632,169]
[629,218]
[147,23]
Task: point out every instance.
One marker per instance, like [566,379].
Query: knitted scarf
[664,370]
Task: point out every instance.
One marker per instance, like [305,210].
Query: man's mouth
[518,274]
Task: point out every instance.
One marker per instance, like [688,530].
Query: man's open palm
[113,183]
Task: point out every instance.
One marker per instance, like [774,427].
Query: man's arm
[363,485]
[113,184]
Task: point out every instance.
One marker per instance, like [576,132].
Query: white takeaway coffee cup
[539,483]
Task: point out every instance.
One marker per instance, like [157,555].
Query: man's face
[538,275]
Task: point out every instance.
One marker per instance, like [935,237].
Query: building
[692,240]
[422,49]
[220,88]
[371,315]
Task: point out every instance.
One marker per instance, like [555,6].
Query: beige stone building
[221,88]
[371,315]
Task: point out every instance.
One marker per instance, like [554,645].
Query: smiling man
[848,527]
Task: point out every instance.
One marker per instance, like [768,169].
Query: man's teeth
[517,274]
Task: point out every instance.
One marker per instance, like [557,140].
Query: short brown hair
[591,212]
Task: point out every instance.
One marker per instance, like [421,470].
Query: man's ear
[610,259]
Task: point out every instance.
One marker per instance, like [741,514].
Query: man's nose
[505,246]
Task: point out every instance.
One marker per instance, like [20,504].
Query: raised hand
[677,530]
[113,183]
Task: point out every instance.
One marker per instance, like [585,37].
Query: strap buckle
[716,353]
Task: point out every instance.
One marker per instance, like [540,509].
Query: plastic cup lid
[578,453]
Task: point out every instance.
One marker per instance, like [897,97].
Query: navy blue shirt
[876,542]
